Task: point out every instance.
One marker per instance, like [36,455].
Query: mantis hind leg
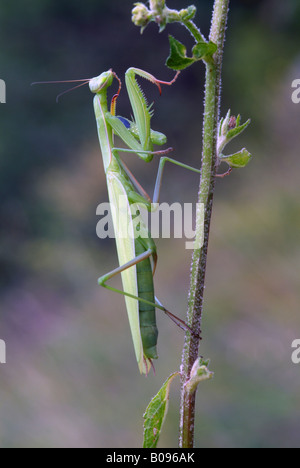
[145,288]
[157,304]
[102,281]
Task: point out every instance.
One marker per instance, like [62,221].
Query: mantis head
[102,81]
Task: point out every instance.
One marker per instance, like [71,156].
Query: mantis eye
[94,84]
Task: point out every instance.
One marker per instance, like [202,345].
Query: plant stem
[206,191]
[195,32]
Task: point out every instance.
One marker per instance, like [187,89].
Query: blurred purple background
[71,379]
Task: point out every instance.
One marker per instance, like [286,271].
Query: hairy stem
[206,191]
[195,32]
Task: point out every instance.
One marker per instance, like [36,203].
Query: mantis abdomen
[147,316]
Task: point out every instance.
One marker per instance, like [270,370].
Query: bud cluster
[230,128]
[160,13]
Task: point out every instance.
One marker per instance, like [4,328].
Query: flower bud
[188,13]
[157,5]
[141,16]
[232,123]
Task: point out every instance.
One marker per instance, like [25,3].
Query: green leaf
[155,414]
[240,159]
[238,129]
[178,59]
[204,49]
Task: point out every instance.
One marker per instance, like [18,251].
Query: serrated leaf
[155,414]
[238,160]
[204,49]
[178,59]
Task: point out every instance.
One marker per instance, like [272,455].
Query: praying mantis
[136,252]
[136,249]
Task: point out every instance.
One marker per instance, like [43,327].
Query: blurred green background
[71,379]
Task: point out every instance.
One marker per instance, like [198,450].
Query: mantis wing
[125,241]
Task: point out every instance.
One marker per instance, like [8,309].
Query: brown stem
[206,192]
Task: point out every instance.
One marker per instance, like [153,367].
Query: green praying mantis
[136,249]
